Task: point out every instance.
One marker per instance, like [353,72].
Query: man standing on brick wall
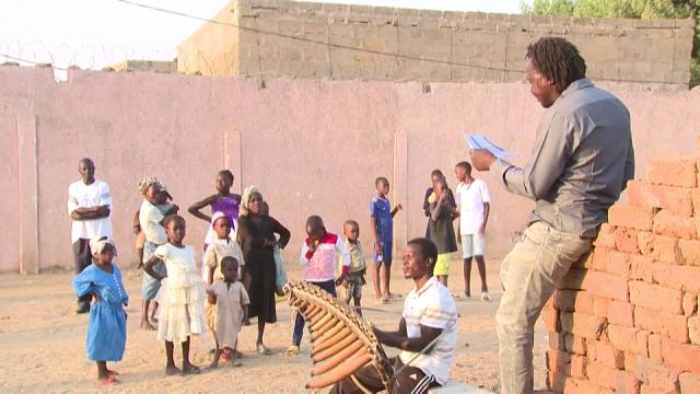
[89,206]
[582,160]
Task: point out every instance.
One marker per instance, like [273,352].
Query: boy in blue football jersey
[382,218]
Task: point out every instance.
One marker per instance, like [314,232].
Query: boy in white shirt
[89,207]
[473,204]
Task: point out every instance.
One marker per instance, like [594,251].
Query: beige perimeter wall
[310,146]
[278,38]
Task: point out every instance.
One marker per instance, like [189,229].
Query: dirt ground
[42,342]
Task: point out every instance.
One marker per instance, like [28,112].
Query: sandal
[292,350]
[263,350]
[191,370]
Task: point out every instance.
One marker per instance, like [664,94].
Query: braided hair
[558,60]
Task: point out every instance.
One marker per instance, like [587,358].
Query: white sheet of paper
[478,141]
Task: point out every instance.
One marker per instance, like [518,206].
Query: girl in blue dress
[106,333]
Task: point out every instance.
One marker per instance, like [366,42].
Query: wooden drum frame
[341,341]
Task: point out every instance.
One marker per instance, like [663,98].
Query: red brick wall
[625,318]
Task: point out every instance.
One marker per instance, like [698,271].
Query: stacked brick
[625,319]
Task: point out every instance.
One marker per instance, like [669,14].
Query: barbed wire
[63,55]
[86,57]
[32,62]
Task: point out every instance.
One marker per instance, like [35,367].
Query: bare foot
[147,326]
[108,381]
[172,370]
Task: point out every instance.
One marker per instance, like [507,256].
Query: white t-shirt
[470,203]
[149,219]
[432,306]
[93,195]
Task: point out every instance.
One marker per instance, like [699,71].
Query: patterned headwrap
[243,210]
[98,244]
[147,182]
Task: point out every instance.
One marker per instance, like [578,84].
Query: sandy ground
[42,342]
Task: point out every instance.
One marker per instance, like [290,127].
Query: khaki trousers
[529,275]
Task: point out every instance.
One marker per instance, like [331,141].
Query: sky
[97,33]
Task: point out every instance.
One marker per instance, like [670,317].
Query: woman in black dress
[256,235]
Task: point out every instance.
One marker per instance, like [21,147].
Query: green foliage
[644,9]
[549,7]
[641,9]
[695,72]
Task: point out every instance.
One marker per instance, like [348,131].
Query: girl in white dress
[182,295]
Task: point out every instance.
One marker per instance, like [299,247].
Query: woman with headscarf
[256,235]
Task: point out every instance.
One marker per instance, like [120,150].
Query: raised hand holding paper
[478,141]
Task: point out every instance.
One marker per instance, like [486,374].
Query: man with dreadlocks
[582,160]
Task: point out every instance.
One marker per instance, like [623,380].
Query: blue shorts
[386,254]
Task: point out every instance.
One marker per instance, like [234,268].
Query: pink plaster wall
[310,146]
[9,189]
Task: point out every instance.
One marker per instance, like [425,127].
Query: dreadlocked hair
[558,60]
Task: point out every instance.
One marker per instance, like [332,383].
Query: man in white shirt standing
[473,204]
[427,332]
[89,207]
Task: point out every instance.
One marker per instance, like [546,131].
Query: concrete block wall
[625,319]
[144,65]
[312,40]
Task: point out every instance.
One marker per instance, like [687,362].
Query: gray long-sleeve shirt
[582,160]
